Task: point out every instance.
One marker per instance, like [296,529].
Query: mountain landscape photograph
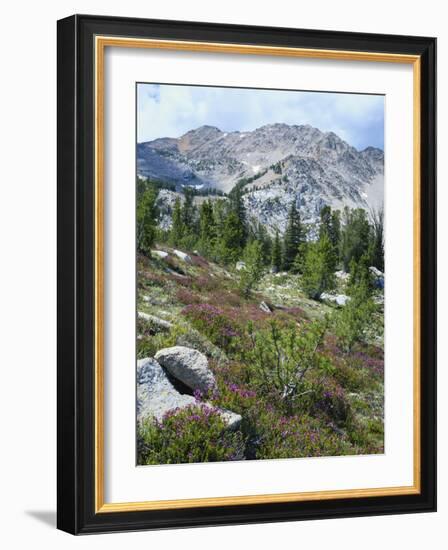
[260,274]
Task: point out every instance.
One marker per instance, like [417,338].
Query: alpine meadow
[260,274]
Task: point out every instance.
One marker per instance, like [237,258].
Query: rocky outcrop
[282,164]
[189,366]
[155,394]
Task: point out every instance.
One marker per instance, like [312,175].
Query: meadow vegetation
[305,374]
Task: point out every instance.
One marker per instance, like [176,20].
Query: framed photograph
[246,274]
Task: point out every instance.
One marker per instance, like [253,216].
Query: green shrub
[194,434]
[318,269]
[295,437]
[352,321]
[253,270]
[214,323]
[280,359]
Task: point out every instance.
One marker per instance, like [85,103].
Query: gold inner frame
[101,42]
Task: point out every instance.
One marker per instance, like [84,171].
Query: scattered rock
[160,253]
[182,256]
[342,299]
[378,277]
[160,323]
[339,299]
[233,420]
[175,273]
[187,365]
[342,275]
[155,394]
[240,265]
[265,308]
[375,271]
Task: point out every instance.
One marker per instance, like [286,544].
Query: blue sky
[169,111]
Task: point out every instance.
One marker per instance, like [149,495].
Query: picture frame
[82,201]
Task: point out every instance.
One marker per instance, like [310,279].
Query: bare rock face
[155,394]
[284,164]
[187,365]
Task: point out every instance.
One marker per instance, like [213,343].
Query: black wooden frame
[75,474]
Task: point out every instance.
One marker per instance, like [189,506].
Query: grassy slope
[345,419]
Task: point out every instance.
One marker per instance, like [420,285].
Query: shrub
[212,322]
[297,436]
[351,322]
[253,270]
[194,434]
[318,270]
[280,358]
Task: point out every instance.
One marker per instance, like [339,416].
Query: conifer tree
[178,227]
[237,206]
[276,253]
[377,245]
[189,215]
[146,221]
[293,237]
[355,236]
[207,227]
[228,248]
[318,275]
[330,224]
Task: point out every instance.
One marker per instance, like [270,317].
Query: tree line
[222,231]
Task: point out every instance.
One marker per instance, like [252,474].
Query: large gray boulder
[155,394]
[187,365]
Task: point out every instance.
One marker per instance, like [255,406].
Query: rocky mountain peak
[277,163]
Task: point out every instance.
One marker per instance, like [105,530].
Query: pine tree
[276,253]
[189,214]
[237,207]
[178,227]
[325,221]
[298,265]
[207,227]
[228,248]
[355,236]
[293,238]
[258,232]
[146,221]
[377,246]
[330,224]
[318,274]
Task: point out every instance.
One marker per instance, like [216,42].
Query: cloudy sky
[169,111]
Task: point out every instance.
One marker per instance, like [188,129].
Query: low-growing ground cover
[306,376]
